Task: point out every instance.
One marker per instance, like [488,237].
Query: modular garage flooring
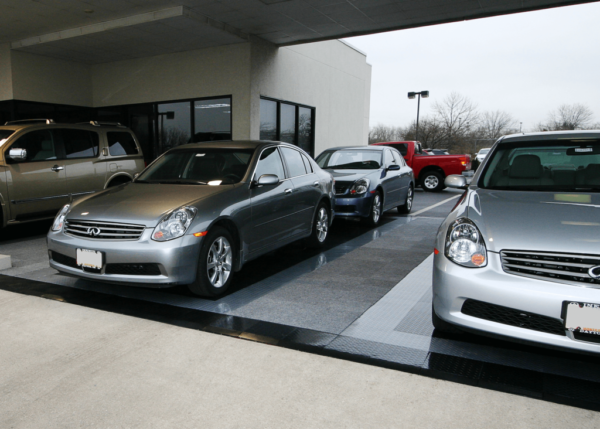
[365,297]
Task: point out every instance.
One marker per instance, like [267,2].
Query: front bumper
[453,285]
[354,207]
[176,259]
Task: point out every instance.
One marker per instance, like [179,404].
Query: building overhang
[100,31]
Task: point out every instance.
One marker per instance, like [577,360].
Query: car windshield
[350,159]
[199,167]
[569,165]
[4,134]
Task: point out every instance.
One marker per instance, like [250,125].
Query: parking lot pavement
[365,297]
[68,366]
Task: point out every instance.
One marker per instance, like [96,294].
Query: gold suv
[45,165]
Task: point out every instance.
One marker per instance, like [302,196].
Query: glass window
[268,120]
[80,143]
[270,163]
[212,120]
[387,158]
[121,143]
[4,134]
[293,160]
[199,167]
[174,125]
[402,147]
[307,164]
[398,158]
[350,159]
[305,129]
[38,144]
[288,123]
[559,165]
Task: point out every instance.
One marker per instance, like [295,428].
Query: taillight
[465,161]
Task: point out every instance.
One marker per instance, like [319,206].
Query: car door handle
[288,191]
[316,183]
[57,168]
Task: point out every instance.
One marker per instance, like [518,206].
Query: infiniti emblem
[94,232]
[594,272]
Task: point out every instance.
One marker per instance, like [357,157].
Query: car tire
[407,206]
[215,264]
[375,211]
[432,182]
[441,325]
[320,228]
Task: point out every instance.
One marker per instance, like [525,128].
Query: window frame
[58,148]
[64,146]
[297,107]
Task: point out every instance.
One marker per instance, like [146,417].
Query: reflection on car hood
[537,221]
[351,175]
[140,203]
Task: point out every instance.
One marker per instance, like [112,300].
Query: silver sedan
[195,216]
[519,255]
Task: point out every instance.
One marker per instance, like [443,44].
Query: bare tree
[458,116]
[384,133]
[494,125]
[431,133]
[568,117]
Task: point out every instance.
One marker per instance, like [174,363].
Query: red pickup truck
[430,170]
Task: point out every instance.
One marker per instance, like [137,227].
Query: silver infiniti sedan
[195,216]
[519,255]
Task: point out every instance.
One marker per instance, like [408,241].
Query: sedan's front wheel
[376,210]
[215,265]
[407,206]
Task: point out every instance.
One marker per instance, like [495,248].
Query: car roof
[234,144]
[552,135]
[375,148]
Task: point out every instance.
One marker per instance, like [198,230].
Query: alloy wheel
[431,182]
[376,208]
[219,262]
[322,224]
[409,199]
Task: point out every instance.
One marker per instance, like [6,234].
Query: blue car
[368,181]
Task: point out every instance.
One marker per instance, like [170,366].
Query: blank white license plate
[583,317]
[89,258]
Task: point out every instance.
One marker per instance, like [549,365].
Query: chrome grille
[342,187]
[96,230]
[566,268]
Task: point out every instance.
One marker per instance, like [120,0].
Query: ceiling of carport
[97,31]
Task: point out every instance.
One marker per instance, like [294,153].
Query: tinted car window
[293,159]
[4,134]
[402,147]
[350,159]
[80,143]
[121,143]
[307,164]
[270,163]
[38,144]
[399,160]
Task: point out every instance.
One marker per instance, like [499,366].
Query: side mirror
[18,154]
[268,179]
[456,181]
[393,167]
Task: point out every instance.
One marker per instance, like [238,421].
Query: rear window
[400,147]
[121,143]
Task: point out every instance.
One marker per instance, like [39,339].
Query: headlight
[360,187]
[465,245]
[59,220]
[174,224]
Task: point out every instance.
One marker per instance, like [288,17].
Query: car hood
[142,204]
[352,175]
[537,221]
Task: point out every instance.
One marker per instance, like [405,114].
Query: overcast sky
[526,64]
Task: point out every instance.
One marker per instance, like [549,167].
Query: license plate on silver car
[89,258]
[583,317]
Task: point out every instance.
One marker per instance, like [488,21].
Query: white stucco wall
[6,89]
[331,76]
[194,74]
[50,80]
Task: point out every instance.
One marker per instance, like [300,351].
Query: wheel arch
[122,177]
[231,226]
[429,169]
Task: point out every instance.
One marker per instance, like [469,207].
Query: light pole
[412,95]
